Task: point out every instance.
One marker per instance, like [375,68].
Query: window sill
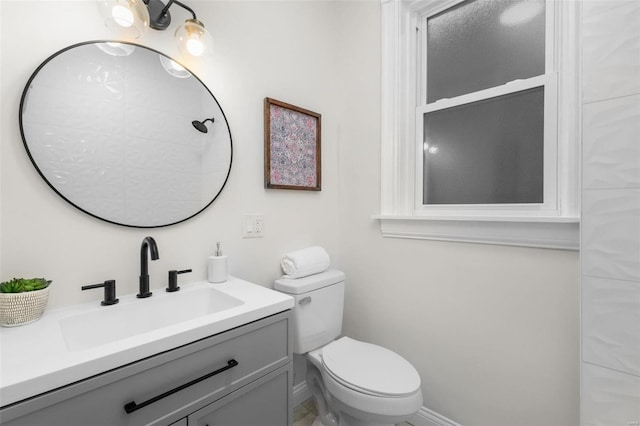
[560,233]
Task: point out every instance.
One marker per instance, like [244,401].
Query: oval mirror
[125,134]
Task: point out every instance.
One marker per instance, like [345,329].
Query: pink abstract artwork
[293,148]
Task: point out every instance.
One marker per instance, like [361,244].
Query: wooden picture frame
[292,155]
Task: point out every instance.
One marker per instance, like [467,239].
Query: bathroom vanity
[230,366]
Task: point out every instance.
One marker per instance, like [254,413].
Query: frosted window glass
[484,43]
[486,152]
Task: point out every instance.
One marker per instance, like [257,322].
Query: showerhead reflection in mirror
[200,126]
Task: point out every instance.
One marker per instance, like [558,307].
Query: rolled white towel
[305,262]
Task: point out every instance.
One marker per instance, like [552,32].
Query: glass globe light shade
[173,68]
[116,49]
[125,18]
[193,39]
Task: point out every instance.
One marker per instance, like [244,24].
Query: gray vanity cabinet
[240,377]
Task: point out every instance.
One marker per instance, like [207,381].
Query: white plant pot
[22,308]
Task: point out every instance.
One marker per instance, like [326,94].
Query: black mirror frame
[26,146]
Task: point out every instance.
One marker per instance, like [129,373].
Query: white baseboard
[425,416]
[300,393]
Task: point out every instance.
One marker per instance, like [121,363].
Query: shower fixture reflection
[199,125]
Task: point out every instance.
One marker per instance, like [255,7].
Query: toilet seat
[369,369]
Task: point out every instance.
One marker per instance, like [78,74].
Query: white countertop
[34,358]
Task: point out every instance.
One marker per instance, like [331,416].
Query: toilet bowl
[368,384]
[353,383]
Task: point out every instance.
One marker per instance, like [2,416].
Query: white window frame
[552,224]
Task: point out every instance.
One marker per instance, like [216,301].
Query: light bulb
[195,46]
[125,18]
[122,15]
[193,39]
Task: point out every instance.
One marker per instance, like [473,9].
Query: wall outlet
[253,226]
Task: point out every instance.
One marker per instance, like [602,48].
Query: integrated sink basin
[138,316]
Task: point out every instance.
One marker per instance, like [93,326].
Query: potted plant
[22,301]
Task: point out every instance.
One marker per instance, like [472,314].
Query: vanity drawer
[170,385]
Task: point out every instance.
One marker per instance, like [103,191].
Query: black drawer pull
[132,406]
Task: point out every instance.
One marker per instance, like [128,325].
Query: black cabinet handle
[132,406]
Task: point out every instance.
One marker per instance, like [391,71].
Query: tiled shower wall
[610,247]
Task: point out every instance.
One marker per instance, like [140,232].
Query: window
[488,85]
[479,133]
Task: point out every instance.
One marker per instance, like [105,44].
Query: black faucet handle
[109,291]
[173,280]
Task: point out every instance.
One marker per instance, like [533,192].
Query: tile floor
[305,413]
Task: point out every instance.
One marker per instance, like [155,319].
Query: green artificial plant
[21,285]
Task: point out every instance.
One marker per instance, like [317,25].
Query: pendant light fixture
[130,18]
[125,18]
[193,39]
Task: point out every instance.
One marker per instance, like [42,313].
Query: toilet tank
[317,313]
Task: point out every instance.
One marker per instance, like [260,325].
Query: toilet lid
[370,368]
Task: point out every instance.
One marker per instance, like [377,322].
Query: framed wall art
[291,147]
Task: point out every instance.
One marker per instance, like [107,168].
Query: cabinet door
[265,402]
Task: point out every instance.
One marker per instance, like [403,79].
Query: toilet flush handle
[305,300]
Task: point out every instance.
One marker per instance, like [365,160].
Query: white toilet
[353,383]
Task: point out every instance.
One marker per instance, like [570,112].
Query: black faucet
[150,244]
